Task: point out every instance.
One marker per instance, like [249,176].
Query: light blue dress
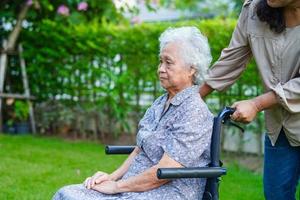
[183,131]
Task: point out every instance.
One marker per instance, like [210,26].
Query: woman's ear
[192,71]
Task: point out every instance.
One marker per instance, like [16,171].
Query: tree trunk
[14,35]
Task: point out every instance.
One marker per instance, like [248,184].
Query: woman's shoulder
[195,104]
[249,8]
[253,25]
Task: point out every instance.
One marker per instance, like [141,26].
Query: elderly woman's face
[173,73]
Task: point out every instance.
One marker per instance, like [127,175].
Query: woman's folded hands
[107,187]
[98,178]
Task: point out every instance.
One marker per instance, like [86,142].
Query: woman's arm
[144,181]
[191,130]
[205,90]
[234,58]
[147,180]
[117,174]
[246,110]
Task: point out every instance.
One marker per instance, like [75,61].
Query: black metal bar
[109,149]
[215,142]
[212,182]
[197,172]
[224,115]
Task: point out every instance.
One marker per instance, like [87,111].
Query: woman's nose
[161,68]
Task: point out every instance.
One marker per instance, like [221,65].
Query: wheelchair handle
[222,118]
[226,113]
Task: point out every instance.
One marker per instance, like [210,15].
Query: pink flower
[63,10]
[82,6]
[135,20]
[29,2]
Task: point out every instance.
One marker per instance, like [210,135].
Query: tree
[13,14]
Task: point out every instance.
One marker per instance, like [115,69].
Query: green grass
[35,167]
[241,184]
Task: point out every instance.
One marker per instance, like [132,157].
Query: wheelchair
[213,172]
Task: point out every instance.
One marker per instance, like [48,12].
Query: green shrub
[112,68]
[21,111]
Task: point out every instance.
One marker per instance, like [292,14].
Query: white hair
[194,48]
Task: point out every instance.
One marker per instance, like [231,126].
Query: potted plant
[9,126]
[21,110]
[9,116]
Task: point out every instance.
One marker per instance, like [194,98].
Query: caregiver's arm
[246,110]
[100,177]
[144,181]
[261,102]
[233,59]
[205,90]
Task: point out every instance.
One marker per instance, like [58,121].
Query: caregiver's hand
[97,178]
[245,111]
[107,187]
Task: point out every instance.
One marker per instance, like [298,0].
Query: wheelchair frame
[212,173]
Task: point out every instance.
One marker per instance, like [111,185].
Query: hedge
[109,70]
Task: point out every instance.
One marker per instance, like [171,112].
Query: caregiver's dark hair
[272,16]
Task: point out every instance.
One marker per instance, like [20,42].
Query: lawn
[35,167]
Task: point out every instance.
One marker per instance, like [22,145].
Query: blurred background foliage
[93,73]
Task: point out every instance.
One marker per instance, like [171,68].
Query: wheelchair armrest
[197,172]
[109,149]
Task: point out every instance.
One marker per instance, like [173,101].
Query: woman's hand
[107,187]
[245,111]
[97,178]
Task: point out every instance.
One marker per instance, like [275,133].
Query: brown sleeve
[233,59]
[288,95]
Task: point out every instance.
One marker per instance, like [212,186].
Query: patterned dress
[182,131]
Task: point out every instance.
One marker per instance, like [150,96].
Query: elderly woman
[174,132]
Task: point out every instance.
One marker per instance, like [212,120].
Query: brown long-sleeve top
[278,59]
